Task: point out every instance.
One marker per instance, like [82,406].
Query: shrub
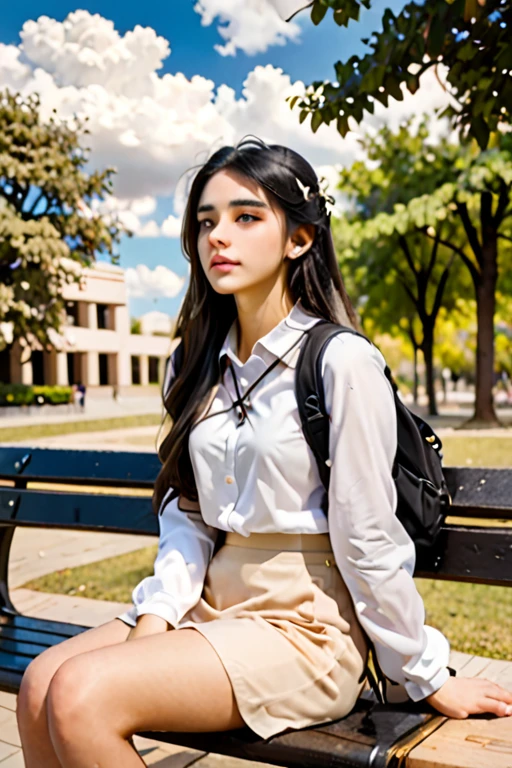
[26,394]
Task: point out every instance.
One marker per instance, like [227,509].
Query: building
[96,345]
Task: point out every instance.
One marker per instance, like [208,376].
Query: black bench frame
[373,734]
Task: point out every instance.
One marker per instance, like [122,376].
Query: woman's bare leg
[171,681]
[31,704]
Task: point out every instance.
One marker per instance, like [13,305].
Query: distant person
[80,394]
[74,395]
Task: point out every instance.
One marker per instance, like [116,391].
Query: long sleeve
[373,551]
[185,548]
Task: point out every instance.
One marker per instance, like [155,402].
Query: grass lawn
[475,618]
[462,451]
[34,431]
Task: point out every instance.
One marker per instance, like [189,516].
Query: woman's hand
[460,697]
[148,624]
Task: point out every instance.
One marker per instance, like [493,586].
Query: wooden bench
[373,735]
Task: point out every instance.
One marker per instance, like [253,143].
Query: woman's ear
[301,241]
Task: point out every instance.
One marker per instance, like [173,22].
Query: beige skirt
[279,615]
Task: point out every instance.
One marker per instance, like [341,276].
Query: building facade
[96,346]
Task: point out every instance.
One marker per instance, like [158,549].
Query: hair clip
[328,201]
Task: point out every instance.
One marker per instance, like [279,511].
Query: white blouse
[261,476]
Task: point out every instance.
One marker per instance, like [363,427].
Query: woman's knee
[34,687]
[70,697]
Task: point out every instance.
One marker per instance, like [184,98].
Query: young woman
[265,587]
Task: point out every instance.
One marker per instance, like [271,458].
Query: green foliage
[25,394]
[470,39]
[48,230]
[135,326]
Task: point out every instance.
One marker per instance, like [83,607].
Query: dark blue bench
[372,735]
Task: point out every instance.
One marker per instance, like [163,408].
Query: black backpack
[423,499]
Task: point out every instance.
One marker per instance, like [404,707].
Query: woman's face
[236,220]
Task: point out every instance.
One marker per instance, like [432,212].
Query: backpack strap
[309,391]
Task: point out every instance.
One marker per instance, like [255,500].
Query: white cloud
[156,129]
[171,227]
[161,282]
[149,229]
[250,26]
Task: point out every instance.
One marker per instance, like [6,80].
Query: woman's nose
[218,234]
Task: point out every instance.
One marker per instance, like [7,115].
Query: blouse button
[229,479]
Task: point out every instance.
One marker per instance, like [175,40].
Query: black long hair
[205,316]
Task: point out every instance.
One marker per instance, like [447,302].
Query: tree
[402,273]
[471,39]
[48,231]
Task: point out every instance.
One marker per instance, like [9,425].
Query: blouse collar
[275,343]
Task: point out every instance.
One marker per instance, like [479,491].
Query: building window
[135,370]
[71,361]
[153,370]
[103,364]
[72,313]
[5,366]
[37,367]
[103,315]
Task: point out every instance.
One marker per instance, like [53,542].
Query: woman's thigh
[171,681]
[41,670]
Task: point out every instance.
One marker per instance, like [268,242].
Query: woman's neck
[254,323]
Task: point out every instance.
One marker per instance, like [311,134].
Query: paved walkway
[95,408]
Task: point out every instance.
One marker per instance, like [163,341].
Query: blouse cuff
[418,691]
[159,606]
[129,617]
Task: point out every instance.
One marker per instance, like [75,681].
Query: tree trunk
[427,347]
[486,304]
[416,380]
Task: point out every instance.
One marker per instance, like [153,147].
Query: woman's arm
[373,551]
[185,548]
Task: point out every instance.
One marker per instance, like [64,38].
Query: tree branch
[470,231]
[438,299]
[37,201]
[433,254]
[405,248]
[503,202]
[475,274]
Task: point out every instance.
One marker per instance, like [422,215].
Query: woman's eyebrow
[235,204]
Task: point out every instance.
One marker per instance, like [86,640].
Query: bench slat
[14,634]
[123,514]
[478,555]
[122,468]
[477,488]
[19,621]
[21,649]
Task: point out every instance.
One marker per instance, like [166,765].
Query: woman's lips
[225,266]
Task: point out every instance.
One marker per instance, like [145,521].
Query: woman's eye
[254,218]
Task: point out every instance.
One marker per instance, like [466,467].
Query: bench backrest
[111,491]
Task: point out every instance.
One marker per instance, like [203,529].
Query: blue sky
[193,53]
